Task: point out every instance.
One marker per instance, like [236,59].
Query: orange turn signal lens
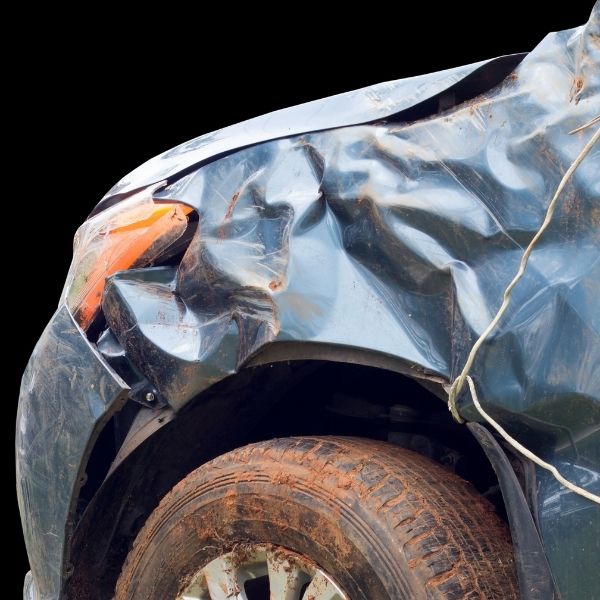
[132,234]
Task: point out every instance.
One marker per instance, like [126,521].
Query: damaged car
[244,391]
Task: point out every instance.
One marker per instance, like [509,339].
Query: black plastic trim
[533,571]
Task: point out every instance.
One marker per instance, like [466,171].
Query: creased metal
[399,238]
[67,394]
[355,223]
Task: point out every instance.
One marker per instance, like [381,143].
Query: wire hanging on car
[459,382]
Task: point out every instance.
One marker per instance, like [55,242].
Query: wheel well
[305,397]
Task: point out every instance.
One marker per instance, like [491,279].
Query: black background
[98,95]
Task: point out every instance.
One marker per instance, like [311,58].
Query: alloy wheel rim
[261,572]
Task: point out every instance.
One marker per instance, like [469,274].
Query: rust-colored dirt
[385,522]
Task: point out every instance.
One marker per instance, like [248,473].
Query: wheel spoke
[322,588]
[222,580]
[285,577]
[196,591]
[254,567]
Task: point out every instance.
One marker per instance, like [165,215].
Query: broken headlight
[133,233]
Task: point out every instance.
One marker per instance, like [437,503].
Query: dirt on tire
[385,522]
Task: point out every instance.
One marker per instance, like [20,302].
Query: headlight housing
[131,234]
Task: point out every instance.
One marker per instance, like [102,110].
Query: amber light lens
[134,233]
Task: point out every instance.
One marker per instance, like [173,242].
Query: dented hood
[387,222]
[373,103]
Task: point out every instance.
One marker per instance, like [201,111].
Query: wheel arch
[213,423]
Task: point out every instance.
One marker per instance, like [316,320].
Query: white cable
[585,125]
[460,380]
[458,383]
[527,453]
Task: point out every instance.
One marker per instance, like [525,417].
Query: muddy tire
[383,522]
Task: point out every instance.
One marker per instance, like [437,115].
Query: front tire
[381,522]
